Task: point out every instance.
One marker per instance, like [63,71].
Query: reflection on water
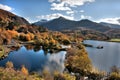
[104,58]
[36,59]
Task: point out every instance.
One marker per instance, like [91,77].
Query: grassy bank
[1,51]
[115,40]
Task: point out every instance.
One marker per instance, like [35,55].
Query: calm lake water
[105,58]
[36,60]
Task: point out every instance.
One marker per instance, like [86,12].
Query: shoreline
[103,40]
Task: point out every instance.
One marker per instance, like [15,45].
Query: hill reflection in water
[36,59]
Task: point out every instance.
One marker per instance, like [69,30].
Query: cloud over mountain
[53,16]
[69,7]
[67,4]
[73,3]
[5,7]
[85,17]
[59,6]
[115,20]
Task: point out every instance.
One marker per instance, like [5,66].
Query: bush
[1,51]
[114,76]
[24,70]
[63,76]
[66,42]
[78,61]
[9,64]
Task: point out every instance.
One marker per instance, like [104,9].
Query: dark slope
[8,17]
[61,23]
[110,25]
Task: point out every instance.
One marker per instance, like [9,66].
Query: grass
[1,51]
[115,40]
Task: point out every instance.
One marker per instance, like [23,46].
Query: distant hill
[83,26]
[40,22]
[61,23]
[18,28]
[11,21]
[110,25]
[58,24]
[7,17]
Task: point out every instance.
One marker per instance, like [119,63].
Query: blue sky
[95,10]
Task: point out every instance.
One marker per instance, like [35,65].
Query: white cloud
[115,20]
[65,5]
[59,6]
[70,12]
[82,11]
[74,3]
[85,17]
[5,7]
[29,19]
[53,16]
[51,0]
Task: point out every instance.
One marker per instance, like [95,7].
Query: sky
[35,10]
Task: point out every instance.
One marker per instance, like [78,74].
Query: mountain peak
[62,23]
[61,18]
[85,20]
[43,20]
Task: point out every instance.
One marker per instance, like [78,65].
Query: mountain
[110,25]
[85,28]
[7,18]
[93,25]
[17,28]
[10,21]
[40,22]
[61,23]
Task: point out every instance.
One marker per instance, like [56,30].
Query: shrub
[66,42]
[12,33]
[22,37]
[9,64]
[78,61]
[24,70]
[63,76]
[114,76]
[28,38]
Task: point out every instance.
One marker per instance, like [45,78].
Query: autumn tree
[24,70]
[78,61]
[12,33]
[9,64]
[114,76]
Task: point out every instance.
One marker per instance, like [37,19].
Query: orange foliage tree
[24,70]
[12,33]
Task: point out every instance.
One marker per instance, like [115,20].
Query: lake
[36,59]
[104,58]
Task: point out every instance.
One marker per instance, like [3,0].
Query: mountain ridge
[62,23]
[110,25]
[8,17]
